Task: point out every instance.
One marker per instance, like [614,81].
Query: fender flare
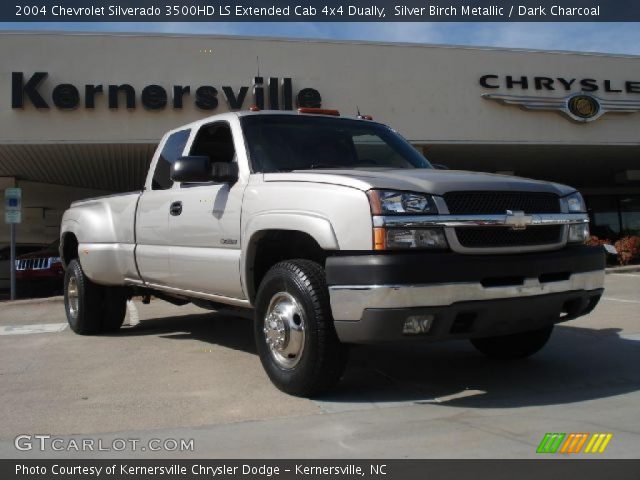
[316,226]
[68,228]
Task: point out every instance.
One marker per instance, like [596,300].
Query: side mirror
[200,169]
[191,169]
[439,166]
[224,172]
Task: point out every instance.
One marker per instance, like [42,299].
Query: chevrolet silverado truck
[332,231]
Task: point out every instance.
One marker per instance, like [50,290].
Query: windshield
[281,143]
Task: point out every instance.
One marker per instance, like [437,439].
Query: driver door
[204,227]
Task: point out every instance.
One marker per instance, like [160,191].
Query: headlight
[389,202]
[575,203]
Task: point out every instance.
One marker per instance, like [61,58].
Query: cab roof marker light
[319,111]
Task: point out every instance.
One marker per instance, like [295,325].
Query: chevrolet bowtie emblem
[579,107]
[517,220]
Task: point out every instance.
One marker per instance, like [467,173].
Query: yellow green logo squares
[574,442]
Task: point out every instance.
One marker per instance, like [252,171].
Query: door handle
[175,209]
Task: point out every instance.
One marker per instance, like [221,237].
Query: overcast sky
[586,37]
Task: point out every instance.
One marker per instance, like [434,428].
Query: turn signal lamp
[579,233]
[402,239]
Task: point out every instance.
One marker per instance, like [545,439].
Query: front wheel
[518,345]
[92,308]
[295,337]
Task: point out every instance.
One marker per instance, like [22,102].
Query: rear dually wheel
[92,308]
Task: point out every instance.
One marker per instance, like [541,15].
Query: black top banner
[319,11]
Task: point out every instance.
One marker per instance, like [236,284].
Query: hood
[427,180]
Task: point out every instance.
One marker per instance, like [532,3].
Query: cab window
[172,150]
[216,142]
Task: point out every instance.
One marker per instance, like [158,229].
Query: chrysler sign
[580,102]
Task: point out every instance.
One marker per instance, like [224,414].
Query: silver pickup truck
[332,231]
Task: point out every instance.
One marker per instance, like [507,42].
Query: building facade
[80,114]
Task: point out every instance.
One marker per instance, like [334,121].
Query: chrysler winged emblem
[517,220]
[579,107]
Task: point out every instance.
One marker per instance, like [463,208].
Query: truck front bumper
[465,295]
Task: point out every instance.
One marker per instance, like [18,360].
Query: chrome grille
[471,203]
[491,237]
[33,264]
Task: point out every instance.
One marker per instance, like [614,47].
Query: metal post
[12,263]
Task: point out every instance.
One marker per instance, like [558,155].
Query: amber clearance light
[319,111]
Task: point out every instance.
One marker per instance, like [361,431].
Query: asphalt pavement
[182,373]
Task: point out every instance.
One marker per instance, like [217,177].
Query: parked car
[40,273]
[333,231]
[5,258]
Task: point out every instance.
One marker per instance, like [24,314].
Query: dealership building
[81,114]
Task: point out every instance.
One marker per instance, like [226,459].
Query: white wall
[430,94]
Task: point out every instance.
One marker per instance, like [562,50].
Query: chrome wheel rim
[284,330]
[72,297]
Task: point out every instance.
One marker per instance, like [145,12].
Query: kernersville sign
[273,93]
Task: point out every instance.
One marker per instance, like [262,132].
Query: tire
[92,308]
[115,305]
[299,348]
[518,345]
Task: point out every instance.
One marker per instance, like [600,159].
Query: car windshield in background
[282,143]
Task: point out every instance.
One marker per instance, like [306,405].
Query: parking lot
[185,373]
